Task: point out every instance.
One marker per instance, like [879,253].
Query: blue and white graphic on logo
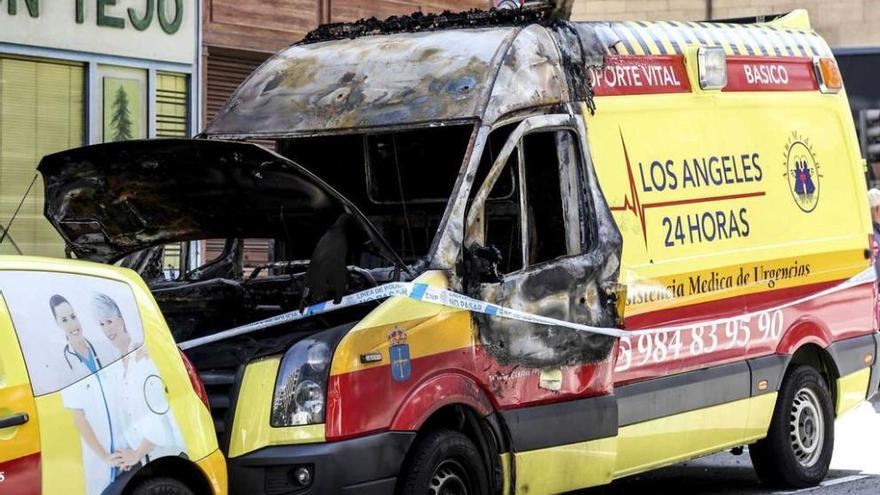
[401,368]
[803,172]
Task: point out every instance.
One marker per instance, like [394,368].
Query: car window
[69,326]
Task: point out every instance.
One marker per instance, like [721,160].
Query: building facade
[85,72]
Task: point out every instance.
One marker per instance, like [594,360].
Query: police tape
[444,297]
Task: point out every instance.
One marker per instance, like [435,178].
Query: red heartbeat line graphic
[633,204]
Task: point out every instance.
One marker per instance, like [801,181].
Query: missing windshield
[401,180]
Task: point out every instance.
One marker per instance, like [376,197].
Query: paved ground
[855,468]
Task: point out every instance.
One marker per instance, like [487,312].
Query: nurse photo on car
[87,400]
[147,425]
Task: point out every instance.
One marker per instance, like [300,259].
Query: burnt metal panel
[530,75]
[396,79]
[112,199]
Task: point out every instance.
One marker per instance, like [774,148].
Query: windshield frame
[451,235]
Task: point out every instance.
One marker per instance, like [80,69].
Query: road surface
[855,467]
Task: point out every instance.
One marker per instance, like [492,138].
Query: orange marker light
[830,80]
[762,385]
[869,359]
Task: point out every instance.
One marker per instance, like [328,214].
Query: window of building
[172,105]
[41,112]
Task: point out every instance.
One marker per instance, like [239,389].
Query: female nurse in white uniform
[149,428]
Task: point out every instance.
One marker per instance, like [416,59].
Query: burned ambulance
[441,304]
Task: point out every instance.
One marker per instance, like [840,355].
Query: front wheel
[800,441]
[444,462]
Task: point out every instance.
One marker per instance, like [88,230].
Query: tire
[162,486]
[444,462]
[800,441]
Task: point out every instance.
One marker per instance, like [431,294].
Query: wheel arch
[456,401]
[803,331]
[178,468]
[437,392]
[813,355]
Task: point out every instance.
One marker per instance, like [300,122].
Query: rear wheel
[800,441]
[162,486]
[444,462]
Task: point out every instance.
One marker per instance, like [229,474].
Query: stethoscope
[68,351]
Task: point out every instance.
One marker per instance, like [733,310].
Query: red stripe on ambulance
[21,476]
[770,74]
[640,75]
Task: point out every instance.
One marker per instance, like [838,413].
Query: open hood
[110,200]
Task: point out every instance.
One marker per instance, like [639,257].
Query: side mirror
[479,265]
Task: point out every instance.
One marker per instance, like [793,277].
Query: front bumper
[365,465]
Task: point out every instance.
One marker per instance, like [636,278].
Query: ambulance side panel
[748,205]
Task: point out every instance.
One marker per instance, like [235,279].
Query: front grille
[220,386]
[278,481]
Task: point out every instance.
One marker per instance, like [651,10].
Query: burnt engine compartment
[227,298]
[195,308]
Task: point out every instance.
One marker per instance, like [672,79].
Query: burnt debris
[419,22]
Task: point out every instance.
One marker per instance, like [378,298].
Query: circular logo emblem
[802,173]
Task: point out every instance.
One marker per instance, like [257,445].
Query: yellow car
[95,397]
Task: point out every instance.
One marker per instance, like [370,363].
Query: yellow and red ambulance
[500,253]
[95,397]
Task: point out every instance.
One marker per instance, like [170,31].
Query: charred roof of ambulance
[428,69]
[401,78]
[419,22]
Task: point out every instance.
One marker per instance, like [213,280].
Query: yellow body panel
[566,467]
[62,451]
[18,441]
[505,473]
[852,390]
[652,444]
[251,429]
[419,319]
[15,395]
[214,468]
[755,133]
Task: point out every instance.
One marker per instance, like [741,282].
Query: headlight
[318,356]
[302,381]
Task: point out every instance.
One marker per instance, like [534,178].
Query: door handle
[14,420]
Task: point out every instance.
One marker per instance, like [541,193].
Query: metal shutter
[225,70]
